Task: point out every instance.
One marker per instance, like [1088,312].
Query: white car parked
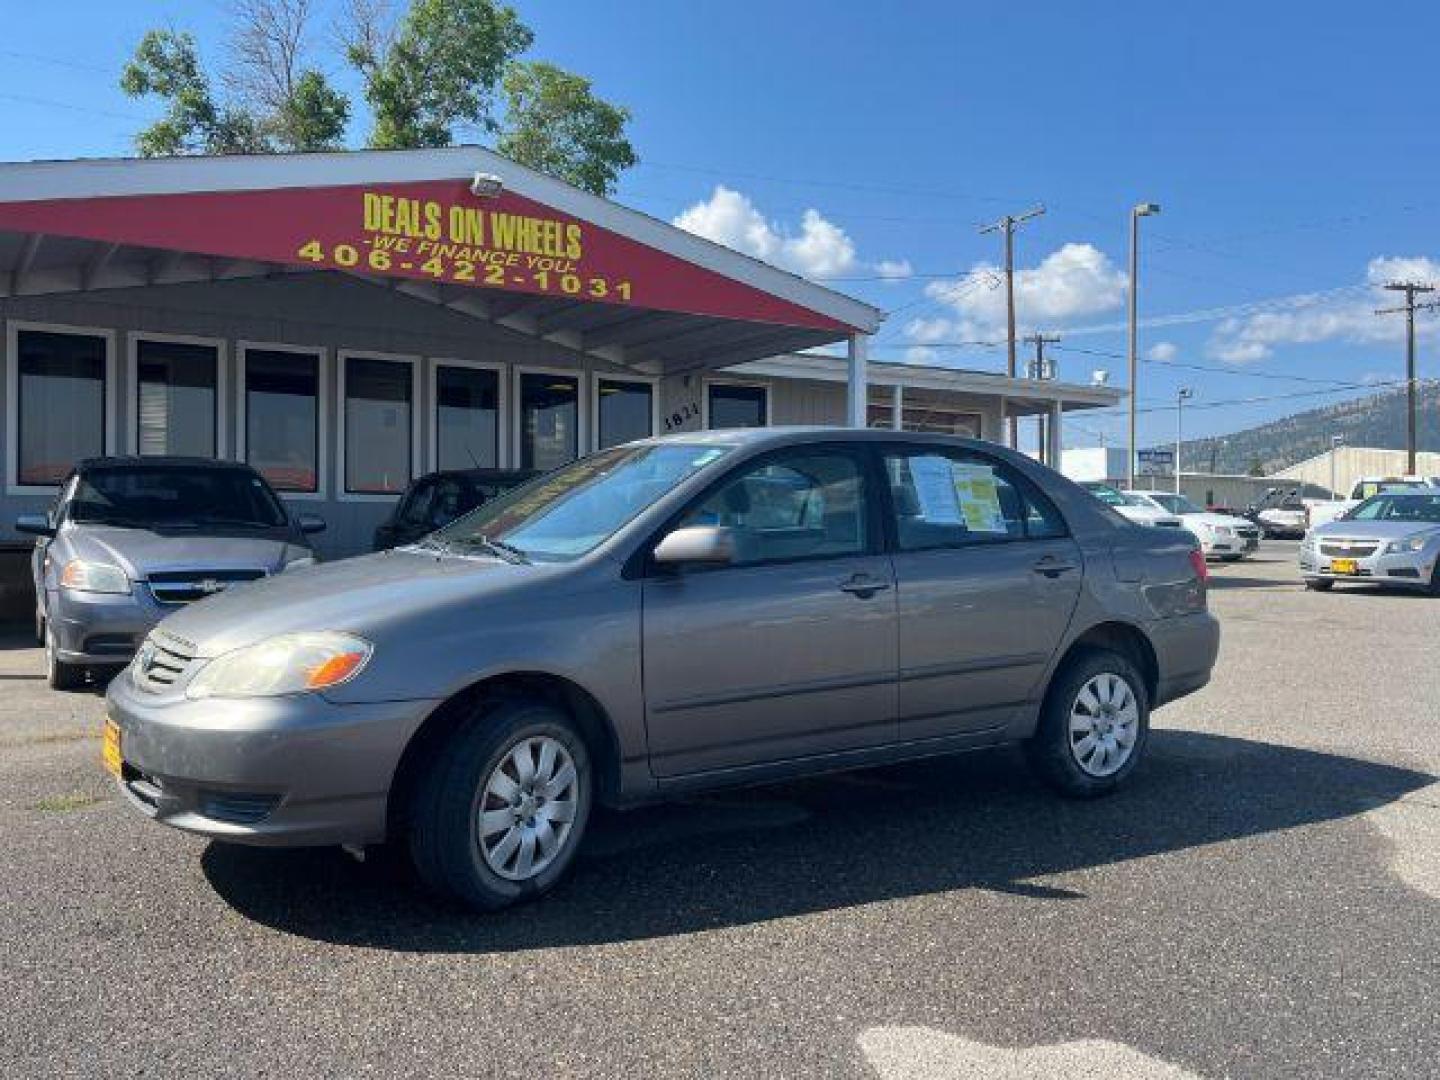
[1137,510]
[1221,536]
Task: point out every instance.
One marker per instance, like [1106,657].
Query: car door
[790,650]
[987,577]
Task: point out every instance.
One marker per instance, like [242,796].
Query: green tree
[1257,468]
[167,65]
[556,124]
[438,69]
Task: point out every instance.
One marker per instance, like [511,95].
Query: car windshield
[577,507]
[1367,488]
[150,496]
[1109,496]
[1176,504]
[1399,506]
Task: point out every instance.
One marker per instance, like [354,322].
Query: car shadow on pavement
[971,822]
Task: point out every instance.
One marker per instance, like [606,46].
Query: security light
[486,185]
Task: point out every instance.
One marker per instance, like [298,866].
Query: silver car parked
[1390,539]
[670,615]
[130,540]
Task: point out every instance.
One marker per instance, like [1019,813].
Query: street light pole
[1182,395]
[1336,441]
[1136,213]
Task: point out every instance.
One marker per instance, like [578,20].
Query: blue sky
[1289,144]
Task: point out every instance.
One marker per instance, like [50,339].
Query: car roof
[158,461]
[786,435]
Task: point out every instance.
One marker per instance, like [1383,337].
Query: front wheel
[500,815]
[1094,725]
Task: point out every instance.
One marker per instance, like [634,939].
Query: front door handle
[1051,567]
[863,586]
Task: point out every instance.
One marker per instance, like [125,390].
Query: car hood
[1146,515]
[1373,530]
[361,596]
[140,551]
[1213,520]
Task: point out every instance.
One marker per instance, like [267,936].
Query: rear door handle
[1052,567]
[863,586]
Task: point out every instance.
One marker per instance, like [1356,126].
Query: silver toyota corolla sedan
[670,615]
[1390,539]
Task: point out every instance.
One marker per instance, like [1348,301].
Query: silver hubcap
[1104,723]
[528,808]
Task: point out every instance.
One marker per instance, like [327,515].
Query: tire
[1319,584]
[1433,589]
[1058,754]
[58,674]
[452,853]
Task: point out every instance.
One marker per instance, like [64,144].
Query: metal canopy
[86,226]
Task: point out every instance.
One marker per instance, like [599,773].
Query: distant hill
[1377,420]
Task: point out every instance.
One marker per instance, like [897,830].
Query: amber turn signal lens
[336,669]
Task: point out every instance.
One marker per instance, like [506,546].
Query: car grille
[162,661]
[1349,549]
[186,586]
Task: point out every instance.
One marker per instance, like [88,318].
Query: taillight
[1197,563]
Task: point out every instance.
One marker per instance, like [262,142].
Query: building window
[282,418]
[378,425]
[549,420]
[467,418]
[625,411]
[60,411]
[738,406]
[175,398]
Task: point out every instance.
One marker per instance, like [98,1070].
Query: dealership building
[348,321]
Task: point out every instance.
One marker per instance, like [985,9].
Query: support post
[856,388]
[897,409]
[1055,450]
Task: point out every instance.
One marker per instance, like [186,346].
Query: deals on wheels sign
[427,231]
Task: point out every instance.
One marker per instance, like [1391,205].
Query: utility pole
[1182,395]
[1138,211]
[1336,441]
[1409,288]
[1039,369]
[1007,225]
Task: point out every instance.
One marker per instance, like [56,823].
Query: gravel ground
[1263,901]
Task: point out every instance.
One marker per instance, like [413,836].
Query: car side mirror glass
[711,545]
[310,523]
[34,525]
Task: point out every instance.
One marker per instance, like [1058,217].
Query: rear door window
[960,498]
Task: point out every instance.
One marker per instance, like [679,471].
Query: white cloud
[894,269]
[818,249]
[1163,352]
[1343,316]
[1075,280]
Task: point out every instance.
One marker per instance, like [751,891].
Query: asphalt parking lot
[1263,901]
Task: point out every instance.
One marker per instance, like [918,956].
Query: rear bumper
[290,771]
[1186,648]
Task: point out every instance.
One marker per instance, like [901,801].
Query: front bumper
[101,628]
[286,771]
[1216,545]
[1404,571]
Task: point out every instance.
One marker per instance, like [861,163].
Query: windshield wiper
[501,550]
[239,523]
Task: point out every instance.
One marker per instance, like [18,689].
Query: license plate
[1344,566]
[110,748]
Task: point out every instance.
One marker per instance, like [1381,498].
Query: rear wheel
[1319,584]
[500,815]
[1093,726]
[1434,588]
[59,674]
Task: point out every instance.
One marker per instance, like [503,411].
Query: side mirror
[707,544]
[310,523]
[34,525]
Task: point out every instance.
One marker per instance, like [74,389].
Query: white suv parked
[1221,536]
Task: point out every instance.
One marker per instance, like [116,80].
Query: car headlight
[286,664]
[81,575]
[1408,545]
